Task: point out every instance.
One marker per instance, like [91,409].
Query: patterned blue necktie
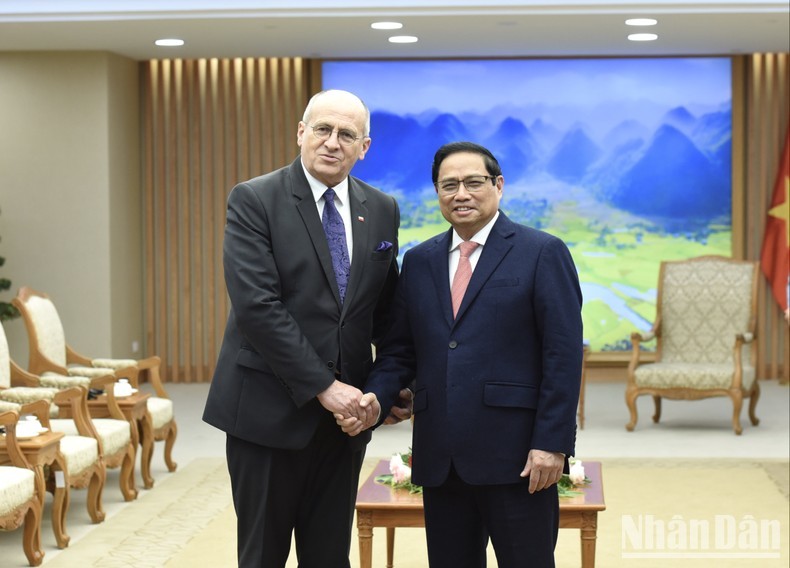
[336,238]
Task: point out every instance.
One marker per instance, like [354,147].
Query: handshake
[355,411]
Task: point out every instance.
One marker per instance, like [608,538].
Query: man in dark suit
[310,276]
[497,369]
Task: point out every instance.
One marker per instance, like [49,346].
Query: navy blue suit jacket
[504,376]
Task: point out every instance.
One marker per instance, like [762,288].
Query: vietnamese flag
[775,255]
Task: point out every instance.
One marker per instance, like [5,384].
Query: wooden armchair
[20,502]
[82,463]
[54,360]
[705,337]
[116,436]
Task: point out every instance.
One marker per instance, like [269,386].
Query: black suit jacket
[287,329]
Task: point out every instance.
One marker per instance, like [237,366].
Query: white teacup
[27,430]
[122,388]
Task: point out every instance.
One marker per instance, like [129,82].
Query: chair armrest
[106,383]
[72,357]
[643,337]
[21,378]
[76,398]
[40,409]
[9,420]
[151,371]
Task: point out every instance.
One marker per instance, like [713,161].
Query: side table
[382,506]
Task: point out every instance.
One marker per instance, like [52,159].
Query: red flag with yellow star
[775,256]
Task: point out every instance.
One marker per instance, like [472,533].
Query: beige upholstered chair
[114,434]
[705,337]
[81,450]
[20,503]
[54,360]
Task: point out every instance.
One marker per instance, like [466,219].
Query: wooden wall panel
[207,124]
[767,117]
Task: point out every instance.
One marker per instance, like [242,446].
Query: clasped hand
[355,412]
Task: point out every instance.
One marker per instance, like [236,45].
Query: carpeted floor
[188,520]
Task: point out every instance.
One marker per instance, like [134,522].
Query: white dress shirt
[480,238]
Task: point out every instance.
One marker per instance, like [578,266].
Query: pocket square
[384,245]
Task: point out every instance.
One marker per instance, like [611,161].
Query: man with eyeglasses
[310,267]
[487,323]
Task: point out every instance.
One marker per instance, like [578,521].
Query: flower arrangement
[399,476]
[569,483]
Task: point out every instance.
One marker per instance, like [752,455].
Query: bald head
[337,97]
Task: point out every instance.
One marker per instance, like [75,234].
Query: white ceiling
[341,29]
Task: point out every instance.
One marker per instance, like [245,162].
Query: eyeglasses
[324,132]
[471,183]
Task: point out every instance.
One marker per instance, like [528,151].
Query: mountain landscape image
[625,178]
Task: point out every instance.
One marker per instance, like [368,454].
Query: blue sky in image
[558,89]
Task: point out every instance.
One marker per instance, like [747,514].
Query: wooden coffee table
[382,506]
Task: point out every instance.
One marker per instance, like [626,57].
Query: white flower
[577,472]
[399,470]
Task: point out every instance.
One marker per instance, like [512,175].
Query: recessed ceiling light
[403,39]
[386,25]
[169,42]
[641,22]
[642,37]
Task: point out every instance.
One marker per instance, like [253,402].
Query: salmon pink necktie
[462,274]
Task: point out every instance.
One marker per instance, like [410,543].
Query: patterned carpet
[187,520]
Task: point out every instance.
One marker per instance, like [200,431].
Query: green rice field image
[628,161]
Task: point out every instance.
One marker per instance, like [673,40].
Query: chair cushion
[17,486]
[114,364]
[23,395]
[161,411]
[57,381]
[5,406]
[49,329]
[92,372]
[115,435]
[702,376]
[80,452]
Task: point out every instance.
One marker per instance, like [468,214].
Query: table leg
[390,546]
[588,534]
[147,442]
[61,499]
[365,531]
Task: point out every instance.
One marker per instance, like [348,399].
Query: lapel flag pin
[360,218]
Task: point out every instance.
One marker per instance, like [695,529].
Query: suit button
[453,344]
[330,364]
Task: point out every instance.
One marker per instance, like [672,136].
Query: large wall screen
[627,160]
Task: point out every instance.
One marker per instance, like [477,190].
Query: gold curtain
[210,123]
[766,108]
[207,124]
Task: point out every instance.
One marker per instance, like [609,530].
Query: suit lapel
[305,204]
[440,272]
[361,234]
[496,248]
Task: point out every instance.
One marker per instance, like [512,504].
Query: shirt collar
[318,188]
[480,237]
